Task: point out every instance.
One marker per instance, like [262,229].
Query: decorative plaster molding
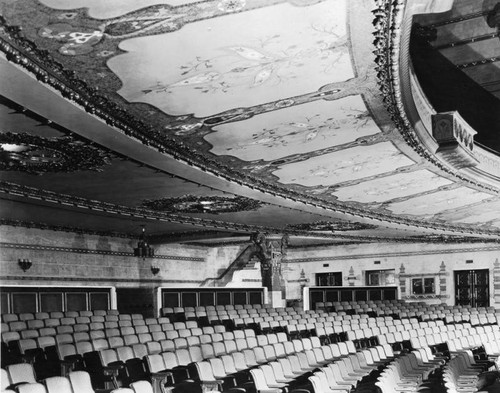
[83,203]
[392,39]
[59,228]
[36,154]
[426,296]
[388,254]
[25,53]
[202,204]
[38,247]
[98,279]
[331,226]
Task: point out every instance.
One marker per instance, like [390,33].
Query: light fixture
[24,264]
[143,249]
[155,270]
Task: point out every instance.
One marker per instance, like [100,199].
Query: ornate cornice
[391,254]
[38,247]
[36,154]
[202,204]
[392,37]
[106,207]
[141,280]
[38,62]
[330,226]
[60,228]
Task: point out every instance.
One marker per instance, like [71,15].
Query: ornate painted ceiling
[214,119]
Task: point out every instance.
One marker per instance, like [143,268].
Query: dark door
[472,288]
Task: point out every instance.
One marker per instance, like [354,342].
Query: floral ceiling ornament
[202,204]
[330,226]
[231,5]
[35,154]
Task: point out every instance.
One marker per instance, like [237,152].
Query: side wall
[408,260]
[72,259]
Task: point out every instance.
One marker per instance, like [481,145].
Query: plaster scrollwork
[392,34]
[388,17]
[272,250]
[36,154]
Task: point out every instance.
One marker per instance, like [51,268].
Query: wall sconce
[351,278]
[302,279]
[155,270]
[143,249]
[24,264]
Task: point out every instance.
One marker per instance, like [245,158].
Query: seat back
[58,385]
[21,372]
[80,382]
[141,387]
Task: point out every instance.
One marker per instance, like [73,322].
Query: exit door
[472,287]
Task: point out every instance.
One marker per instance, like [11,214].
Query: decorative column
[496,283]
[402,281]
[442,282]
[272,250]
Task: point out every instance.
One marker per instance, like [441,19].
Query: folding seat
[269,352]
[142,329]
[178,372]
[69,358]
[216,337]
[180,343]
[81,327]
[262,340]
[141,387]
[21,372]
[81,336]
[7,318]
[111,318]
[95,334]
[272,338]
[64,338]
[110,325]
[167,345]
[145,337]
[260,383]
[154,328]
[193,341]
[112,332]
[30,388]
[195,354]
[183,357]
[208,381]
[171,334]
[158,336]
[68,321]
[64,329]
[124,323]
[219,329]
[115,342]
[140,350]
[16,326]
[96,326]
[30,333]
[230,346]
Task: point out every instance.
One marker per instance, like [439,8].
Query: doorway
[472,288]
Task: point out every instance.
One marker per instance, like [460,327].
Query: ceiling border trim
[392,39]
[26,55]
[38,247]
[389,254]
[106,207]
[98,279]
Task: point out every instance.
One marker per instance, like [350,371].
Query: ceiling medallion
[331,226]
[35,154]
[231,5]
[202,204]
